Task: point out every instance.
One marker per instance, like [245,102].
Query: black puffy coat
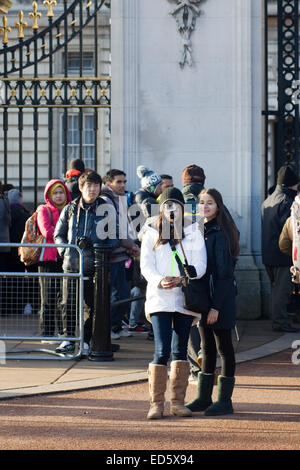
[79,220]
[220,276]
[275,211]
[147,203]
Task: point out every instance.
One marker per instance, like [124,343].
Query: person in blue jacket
[221,240]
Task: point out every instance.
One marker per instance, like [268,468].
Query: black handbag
[196,296]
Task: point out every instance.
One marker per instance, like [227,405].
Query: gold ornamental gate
[50,91]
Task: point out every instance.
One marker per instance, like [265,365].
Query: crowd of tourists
[165,243]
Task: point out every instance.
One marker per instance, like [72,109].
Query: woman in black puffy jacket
[221,240]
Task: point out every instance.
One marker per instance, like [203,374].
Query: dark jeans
[281,291]
[119,291]
[171,334]
[213,341]
[70,307]
[50,291]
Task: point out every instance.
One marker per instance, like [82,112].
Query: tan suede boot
[157,377]
[179,375]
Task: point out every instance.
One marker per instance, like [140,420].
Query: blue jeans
[171,334]
[119,291]
[137,306]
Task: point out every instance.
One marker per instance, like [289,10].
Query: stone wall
[166,115]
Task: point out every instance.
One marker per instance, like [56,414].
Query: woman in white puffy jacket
[171,323]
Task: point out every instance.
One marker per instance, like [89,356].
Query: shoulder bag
[195,292]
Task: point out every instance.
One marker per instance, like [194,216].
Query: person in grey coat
[275,211]
[113,192]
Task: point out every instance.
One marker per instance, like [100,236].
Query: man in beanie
[71,181]
[193,179]
[146,197]
[193,174]
[275,211]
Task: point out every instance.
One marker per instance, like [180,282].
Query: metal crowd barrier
[21,318]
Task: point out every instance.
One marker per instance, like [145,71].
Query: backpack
[295,215]
[32,234]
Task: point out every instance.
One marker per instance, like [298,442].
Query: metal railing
[26,320]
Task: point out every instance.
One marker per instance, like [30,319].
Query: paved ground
[84,405]
[267,416]
[33,376]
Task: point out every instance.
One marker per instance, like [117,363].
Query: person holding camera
[78,225]
[222,246]
[171,322]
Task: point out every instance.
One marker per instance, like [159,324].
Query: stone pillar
[206,110]
[125,92]
[247,147]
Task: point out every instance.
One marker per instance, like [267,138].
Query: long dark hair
[225,222]
[173,235]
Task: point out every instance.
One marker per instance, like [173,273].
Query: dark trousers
[281,291]
[70,307]
[50,291]
[119,291]
[171,334]
[213,341]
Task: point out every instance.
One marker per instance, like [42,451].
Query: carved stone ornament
[185,14]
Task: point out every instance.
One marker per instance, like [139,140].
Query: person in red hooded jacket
[56,196]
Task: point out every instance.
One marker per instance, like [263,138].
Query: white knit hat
[149,179]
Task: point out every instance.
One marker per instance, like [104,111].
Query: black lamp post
[101,348]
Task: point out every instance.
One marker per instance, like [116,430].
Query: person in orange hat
[77,167]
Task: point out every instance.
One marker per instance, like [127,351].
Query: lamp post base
[101,356]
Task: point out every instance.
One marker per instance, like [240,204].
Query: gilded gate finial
[6,29]
[35,15]
[50,4]
[21,25]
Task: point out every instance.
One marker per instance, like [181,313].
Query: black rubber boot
[204,391]
[223,405]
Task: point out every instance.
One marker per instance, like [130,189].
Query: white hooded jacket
[157,264]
